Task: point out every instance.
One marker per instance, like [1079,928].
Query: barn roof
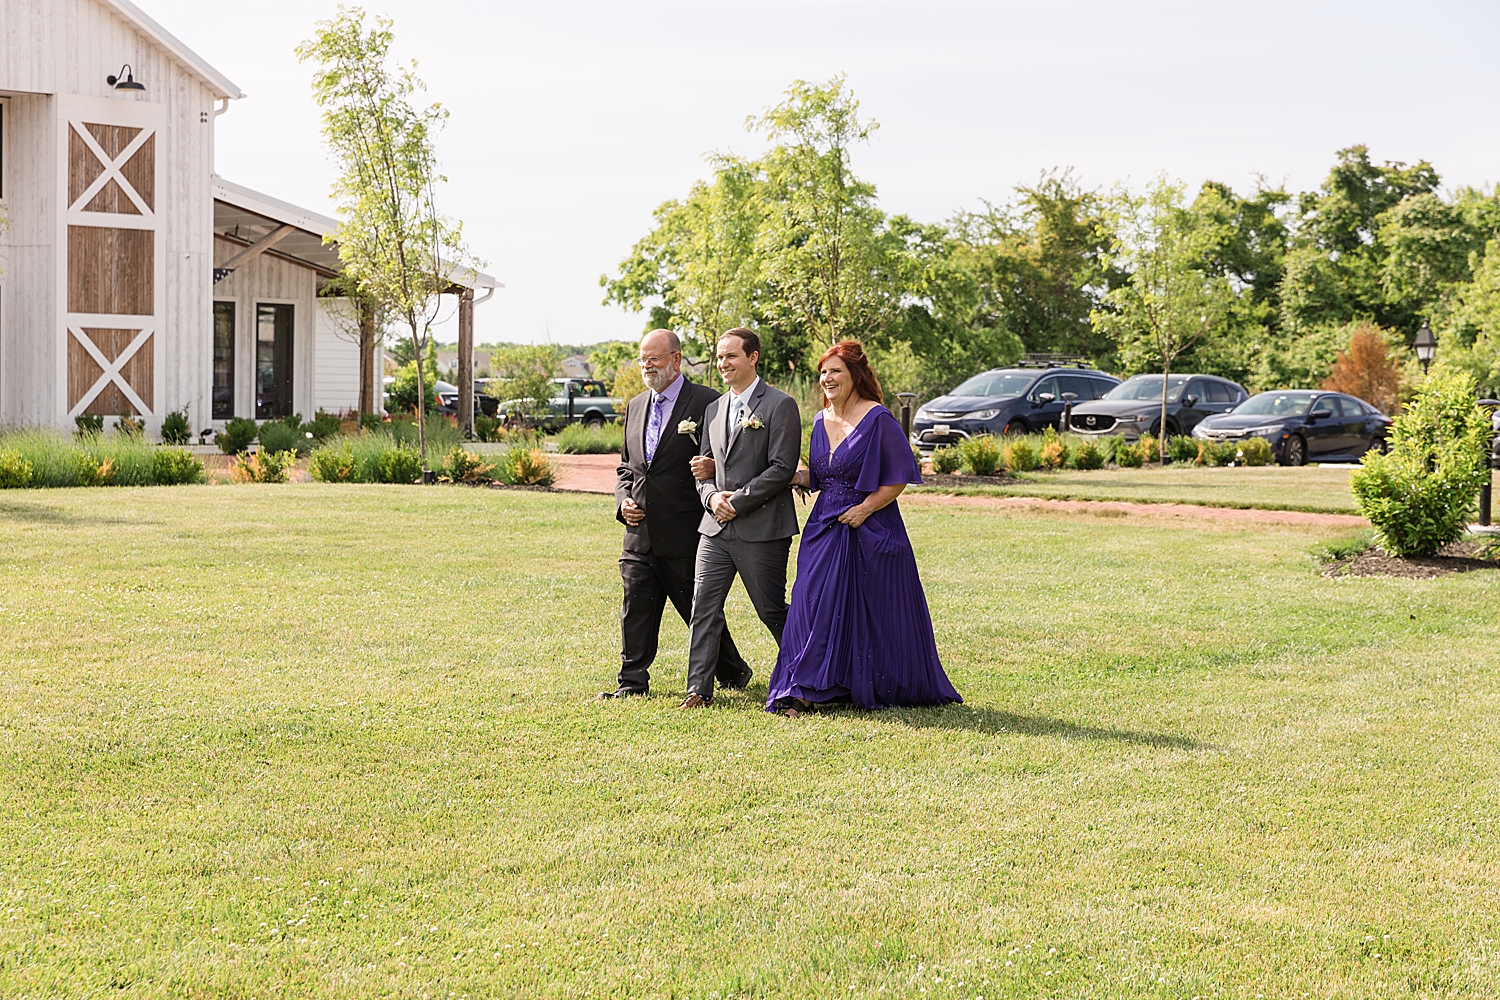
[221,85]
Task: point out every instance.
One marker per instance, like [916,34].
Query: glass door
[223,360]
[273,360]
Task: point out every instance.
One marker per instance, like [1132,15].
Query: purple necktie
[653,426]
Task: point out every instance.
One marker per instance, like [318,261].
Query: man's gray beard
[659,381]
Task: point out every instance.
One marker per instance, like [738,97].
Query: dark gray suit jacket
[754,464]
[664,486]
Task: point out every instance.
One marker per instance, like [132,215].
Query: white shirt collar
[748,389]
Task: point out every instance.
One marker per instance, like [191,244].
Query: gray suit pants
[762,566]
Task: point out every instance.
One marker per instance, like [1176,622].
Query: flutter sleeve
[888,458]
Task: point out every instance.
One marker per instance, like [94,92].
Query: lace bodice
[836,477]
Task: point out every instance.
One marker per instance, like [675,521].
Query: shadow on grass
[36,513]
[989,720]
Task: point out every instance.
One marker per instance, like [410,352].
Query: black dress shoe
[621,693]
[739,683]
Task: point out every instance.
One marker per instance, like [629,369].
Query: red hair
[852,354]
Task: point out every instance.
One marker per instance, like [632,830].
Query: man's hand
[632,512]
[702,466]
[723,510]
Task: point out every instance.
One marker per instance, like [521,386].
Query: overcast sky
[571,121]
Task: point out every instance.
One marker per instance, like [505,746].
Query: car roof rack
[1054,361]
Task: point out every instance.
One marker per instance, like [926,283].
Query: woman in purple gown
[858,630]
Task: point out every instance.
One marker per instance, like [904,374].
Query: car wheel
[1294,452]
[1378,446]
[593,421]
[1015,427]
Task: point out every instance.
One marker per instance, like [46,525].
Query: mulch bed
[1460,557]
[950,479]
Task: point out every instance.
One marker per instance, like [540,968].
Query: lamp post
[1426,345]
[907,398]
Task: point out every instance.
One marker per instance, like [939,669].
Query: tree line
[1268,288]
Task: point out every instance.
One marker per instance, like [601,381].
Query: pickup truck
[590,401]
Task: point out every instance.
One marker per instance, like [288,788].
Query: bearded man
[657,500]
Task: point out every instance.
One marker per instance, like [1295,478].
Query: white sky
[571,121]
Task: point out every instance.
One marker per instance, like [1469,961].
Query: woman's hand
[855,516]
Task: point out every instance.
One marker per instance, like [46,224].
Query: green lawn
[1314,488]
[339,741]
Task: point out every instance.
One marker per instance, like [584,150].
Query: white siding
[266,278]
[336,380]
[28,264]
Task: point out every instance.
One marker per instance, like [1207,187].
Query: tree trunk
[416,345]
[1161,437]
[466,361]
[367,373]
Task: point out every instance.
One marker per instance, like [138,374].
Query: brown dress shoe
[696,701]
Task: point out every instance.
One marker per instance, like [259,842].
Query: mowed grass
[339,741]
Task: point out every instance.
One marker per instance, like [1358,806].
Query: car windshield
[1003,385]
[1276,404]
[1147,387]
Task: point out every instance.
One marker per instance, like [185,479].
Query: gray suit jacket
[754,464]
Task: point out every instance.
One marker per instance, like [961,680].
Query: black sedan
[1303,425]
[447,398]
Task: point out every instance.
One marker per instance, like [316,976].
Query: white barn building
[116,229]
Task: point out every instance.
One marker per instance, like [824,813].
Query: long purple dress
[858,629]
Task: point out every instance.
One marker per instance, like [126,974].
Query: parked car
[447,397]
[1303,425]
[574,400]
[1133,407]
[1015,400]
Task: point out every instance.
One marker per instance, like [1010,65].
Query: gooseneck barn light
[124,80]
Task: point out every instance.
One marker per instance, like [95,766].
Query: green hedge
[47,459]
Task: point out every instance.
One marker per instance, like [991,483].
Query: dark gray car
[1133,407]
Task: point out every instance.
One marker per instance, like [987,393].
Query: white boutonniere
[751,421]
[688,427]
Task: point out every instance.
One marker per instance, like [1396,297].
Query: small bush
[525,467]
[130,426]
[1150,448]
[981,455]
[1343,548]
[174,467]
[278,435]
[1129,456]
[443,434]
[93,471]
[1182,448]
[263,467]
[236,436]
[1420,495]
[15,470]
[1021,456]
[175,428]
[488,429]
[1054,454]
[371,422]
[462,466]
[399,464]
[1255,451]
[576,439]
[324,425]
[88,425]
[1088,457]
[946,461]
[333,463]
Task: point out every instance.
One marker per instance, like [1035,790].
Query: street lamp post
[1426,345]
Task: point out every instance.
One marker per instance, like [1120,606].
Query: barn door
[112,266]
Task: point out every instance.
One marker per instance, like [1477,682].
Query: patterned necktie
[736,413]
[653,425]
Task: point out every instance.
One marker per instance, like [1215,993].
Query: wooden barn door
[112,257]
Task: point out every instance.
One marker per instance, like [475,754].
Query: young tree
[395,246]
[1169,301]
[1366,369]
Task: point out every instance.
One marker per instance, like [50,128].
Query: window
[1196,388]
[2,150]
[1101,387]
[1220,392]
[1147,387]
[1001,386]
[273,361]
[1082,387]
[1047,385]
[223,360]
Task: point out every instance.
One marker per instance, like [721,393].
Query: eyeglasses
[653,362]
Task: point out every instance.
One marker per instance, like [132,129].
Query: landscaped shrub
[282,435]
[323,426]
[1054,454]
[86,424]
[130,426]
[576,439]
[1129,456]
[174,467]
[946,461]
[175,428]
[333,463]
[463,466]
[1088,457]
[981,455]
[1021,456]
[263,467]
[1255,451]
[1182,448]
[525,467]
[122,460]
[1420,495]
[1150,448]
[94,471]
[488,428]
[236,435]
[443,434]
[371,422]
[15,470]
[400,463]
[1218,453]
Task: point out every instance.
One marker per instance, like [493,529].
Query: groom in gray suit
[755,438]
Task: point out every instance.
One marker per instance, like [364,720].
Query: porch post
[466,361]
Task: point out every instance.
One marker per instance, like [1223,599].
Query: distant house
[577,366]
[447,363]
[133,281]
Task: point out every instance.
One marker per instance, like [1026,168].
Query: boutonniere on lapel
[688,427]
[751,422]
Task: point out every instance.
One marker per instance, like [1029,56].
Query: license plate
[940,428]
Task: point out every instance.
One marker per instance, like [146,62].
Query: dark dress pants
[650,581]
